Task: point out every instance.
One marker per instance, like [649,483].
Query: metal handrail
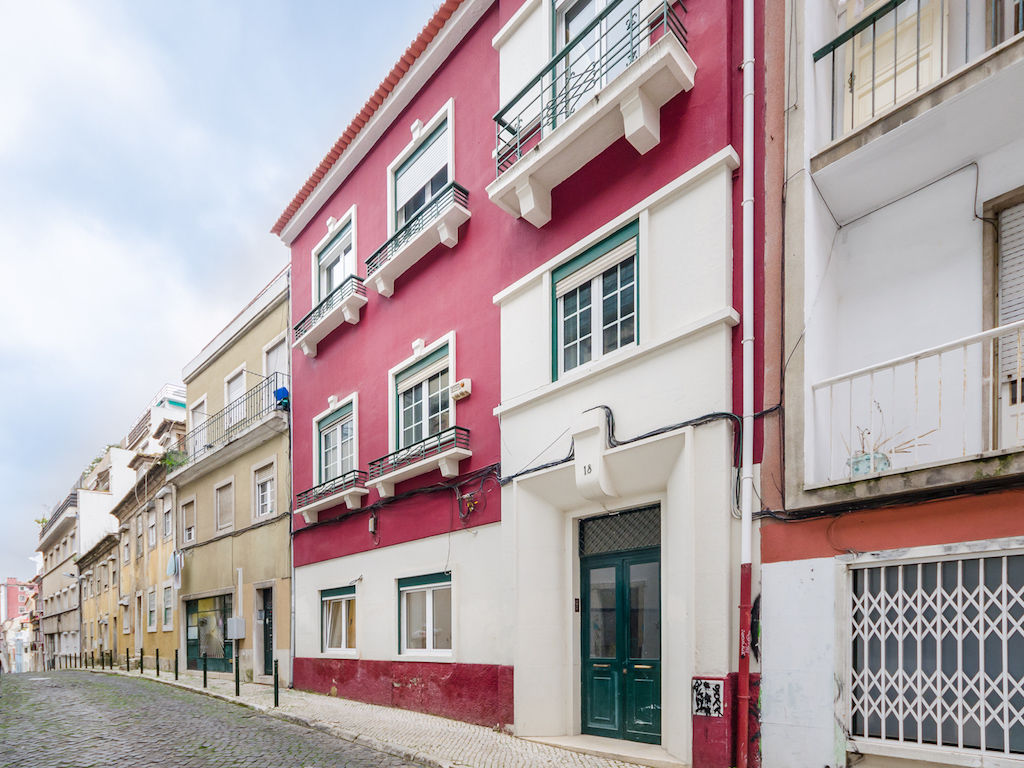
[451,194]
[453,437]
[234,419]
[949,345]
[356,478]
[71,500]
[857,28]
[351,285]
[663,18]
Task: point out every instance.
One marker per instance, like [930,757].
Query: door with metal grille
[620,579]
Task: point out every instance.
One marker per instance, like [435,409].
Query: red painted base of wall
[473,693]
[713,736]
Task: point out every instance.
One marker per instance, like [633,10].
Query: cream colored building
[100,595]
[232,494]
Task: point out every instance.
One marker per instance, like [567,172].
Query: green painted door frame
[206,622]
[268,631]
[621,645]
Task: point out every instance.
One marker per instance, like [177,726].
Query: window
[422,175]
[264,490]
[426,613]
[197,429]
[126,549]
[605,51]
[934,653]
[168,602]
[188,520]
[126,619]
[335,262]
[423,405]
[275,359]
[151,610]
[152,530]
[338,619]
[224,505]
[337,443]
[168,519]
[234,404]
[595,294]
[138,536]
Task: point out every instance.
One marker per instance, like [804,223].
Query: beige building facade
[100,595]
[232,495]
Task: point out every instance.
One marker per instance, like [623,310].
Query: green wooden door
[621,645]
[268,631]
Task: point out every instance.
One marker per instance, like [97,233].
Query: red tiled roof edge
[403,65]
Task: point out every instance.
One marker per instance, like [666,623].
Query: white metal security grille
[937,653]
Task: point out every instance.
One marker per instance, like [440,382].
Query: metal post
[237,682]
[158,662]
[276,685]
[175,663]
[92,659]
[140,660]
[127,661]
[204,669]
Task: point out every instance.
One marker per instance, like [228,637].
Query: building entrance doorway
[620,583]
[268,631]
[206,627]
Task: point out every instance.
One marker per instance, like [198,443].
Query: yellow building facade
[101,594]
[232,490]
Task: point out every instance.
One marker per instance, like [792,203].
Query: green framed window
[338,619]
[423,405]
[594,302]
[336,437]
[425,614]
[336,261]
[422,175]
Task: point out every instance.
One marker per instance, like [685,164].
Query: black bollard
[175,663]
[276,695]
[204,669]
[92,659]
[236,677]
[140,661]
[127,661]
[158,662]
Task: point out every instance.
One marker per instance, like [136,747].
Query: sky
[146,149]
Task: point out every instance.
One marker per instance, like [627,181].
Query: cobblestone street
[81,720]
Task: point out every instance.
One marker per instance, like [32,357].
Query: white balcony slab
[444,230]
[630,106]
[447,461]
[272,424]
[347,311]
[350,497]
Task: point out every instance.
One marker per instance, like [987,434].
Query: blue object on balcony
[281,395]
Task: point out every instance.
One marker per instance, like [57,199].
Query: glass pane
[347,447]
[442,599]
[350,624]
[644,611]
[602,613]
[335,627]
[416,620]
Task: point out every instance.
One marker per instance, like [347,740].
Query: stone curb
[395,750]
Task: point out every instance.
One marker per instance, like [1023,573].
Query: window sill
[436,657]
[933,754]
[340,654]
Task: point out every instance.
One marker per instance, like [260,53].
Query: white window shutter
[1011,286]
[432,159]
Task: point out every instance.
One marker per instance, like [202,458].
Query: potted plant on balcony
[876,456]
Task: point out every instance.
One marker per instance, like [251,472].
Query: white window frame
[185,538]
[199,407]
[344,651]
[151,610]
[216,506]
[845,565]
[429,589]
[126,619]
[230,417]
[168,519]
[334,405]
[167,626]
[126,547]
[333,228]
[420,351]
[281,338]
[592,274]
[254,470]
[151,534]
[447,112]
[140,536]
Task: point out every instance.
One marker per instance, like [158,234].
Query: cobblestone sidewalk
[412,736]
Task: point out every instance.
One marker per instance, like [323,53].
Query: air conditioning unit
[461,389]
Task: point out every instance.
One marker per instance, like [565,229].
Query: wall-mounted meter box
[236,628]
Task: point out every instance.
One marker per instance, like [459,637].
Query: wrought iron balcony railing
[948,403]
[601,51]
[904,46]
[354,479]
[453,437]
[237,417]
[71,500]
[451,194]
[352,286]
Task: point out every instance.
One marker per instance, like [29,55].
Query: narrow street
[81,720]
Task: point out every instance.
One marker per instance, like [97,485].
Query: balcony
[951,403]
[349,489]
[442,451]
[250,420]
[60,523]
[436,223]
[341,305]
[609,81]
